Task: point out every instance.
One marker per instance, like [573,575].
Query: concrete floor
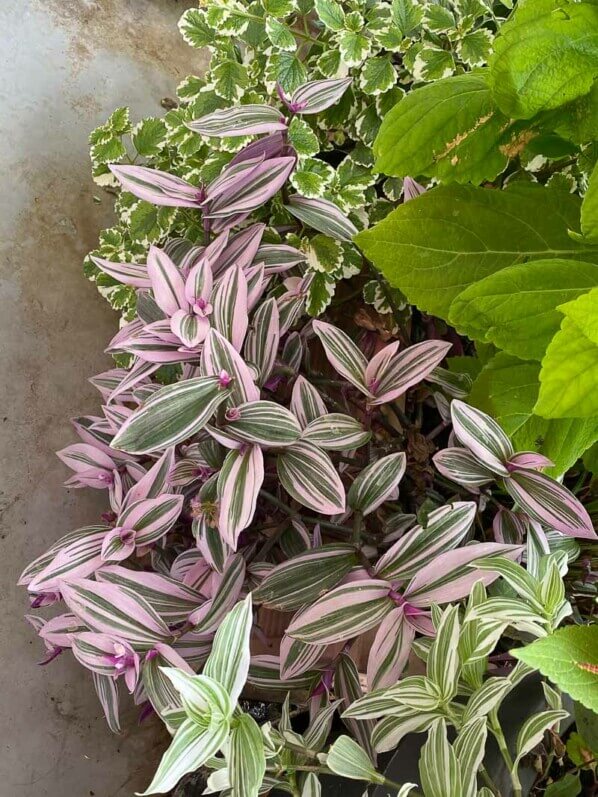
[66,65]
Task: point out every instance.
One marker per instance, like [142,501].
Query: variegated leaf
[459,465]
[219,355]
[390,650]
[229,300]
[308,475]
[323,216]
[261,343]
[348,759]
[376,483]
[263,423]
[246,758]
[336,432]
[306,402]
[482,436]
[343,355]
[389,373]
[439,768]
[239,483]
[228,662]
[241,120]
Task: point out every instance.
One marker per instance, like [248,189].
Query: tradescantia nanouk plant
[259,462]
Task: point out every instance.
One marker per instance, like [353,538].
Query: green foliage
[569,657]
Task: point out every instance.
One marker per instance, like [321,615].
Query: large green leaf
[544,57]
[516,308]
[507,388]
[449,129]
[569,657]
[569,375]
[435,246]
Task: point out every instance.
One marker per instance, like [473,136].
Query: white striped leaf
[246,758]
[375,704]
[219,355]
[112,609]
[208,617]
[249,187]
[376,483]
[347,686]
[323,216]
[549,503]
[77,557]
[202,697]
[416,692]
[228,662]
[516,576]
[278,257]
[151,518]
[263,423]
[156,480]
[239,483]
[443,659]
[348,759]
[308,475]
[263,338]
[389,731]
[450,576]
[482,436]
[213,548]
[292,351]
[459,465]
[344,612]
[319,728]
[311,786]
[343,355]
[390,650]
[511,611]
[159,188]
[470,747]
[304,578]
[41,562]
[487,698]
[317,95]
[171,599]
[445,529]
[241,120]
[171,415]
[229,299]
[306,402]
[264,674]
[439,768]
[336,432]
[107,692]
[191,747]
[532,731]
[158,688]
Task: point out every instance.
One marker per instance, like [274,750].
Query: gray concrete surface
[65,65]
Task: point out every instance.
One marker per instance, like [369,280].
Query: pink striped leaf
[191,329]
[156,481]
[297,658]
[171,415]
[306,402]
[449,577]
[292,351]
[308,475]
[270,146]
[241,249]
[244,187]
[159,188]
[229,300]
[344,612]
[390,650]
[39,564]
[550,503]
[151,348]
[112,609]
[219,355]
[336,432]
[323,216]
[59,630]
[239,483]
[78,558]
[512,527]
[263,423]
[107,692]
[376,483]
[133,274]
[107,655]
[461,466]
[529,460]
[343,355]
[83,457]
[167,282]
[241,120]
[170,599]
[207,618]
[256,284]
[482,436]
[445,529]
[317,95]
[151,518]
[139,372]
[263,338]
[278,258]
[389,375]
[304,578]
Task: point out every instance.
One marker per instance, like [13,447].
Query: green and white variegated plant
[262,54]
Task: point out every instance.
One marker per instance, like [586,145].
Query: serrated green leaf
[331,14]
[434,246]
[377,75]
[302,138]
[319,294]
[289,71]
[450,129]
[230,80]
[544,57]
[569,657]
[433,63]
[353,47]
[148,136]
[312,177]
[475,48]
[407,15]
[195,29]
[280,34]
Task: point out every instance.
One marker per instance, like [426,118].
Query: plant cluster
[261,462]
